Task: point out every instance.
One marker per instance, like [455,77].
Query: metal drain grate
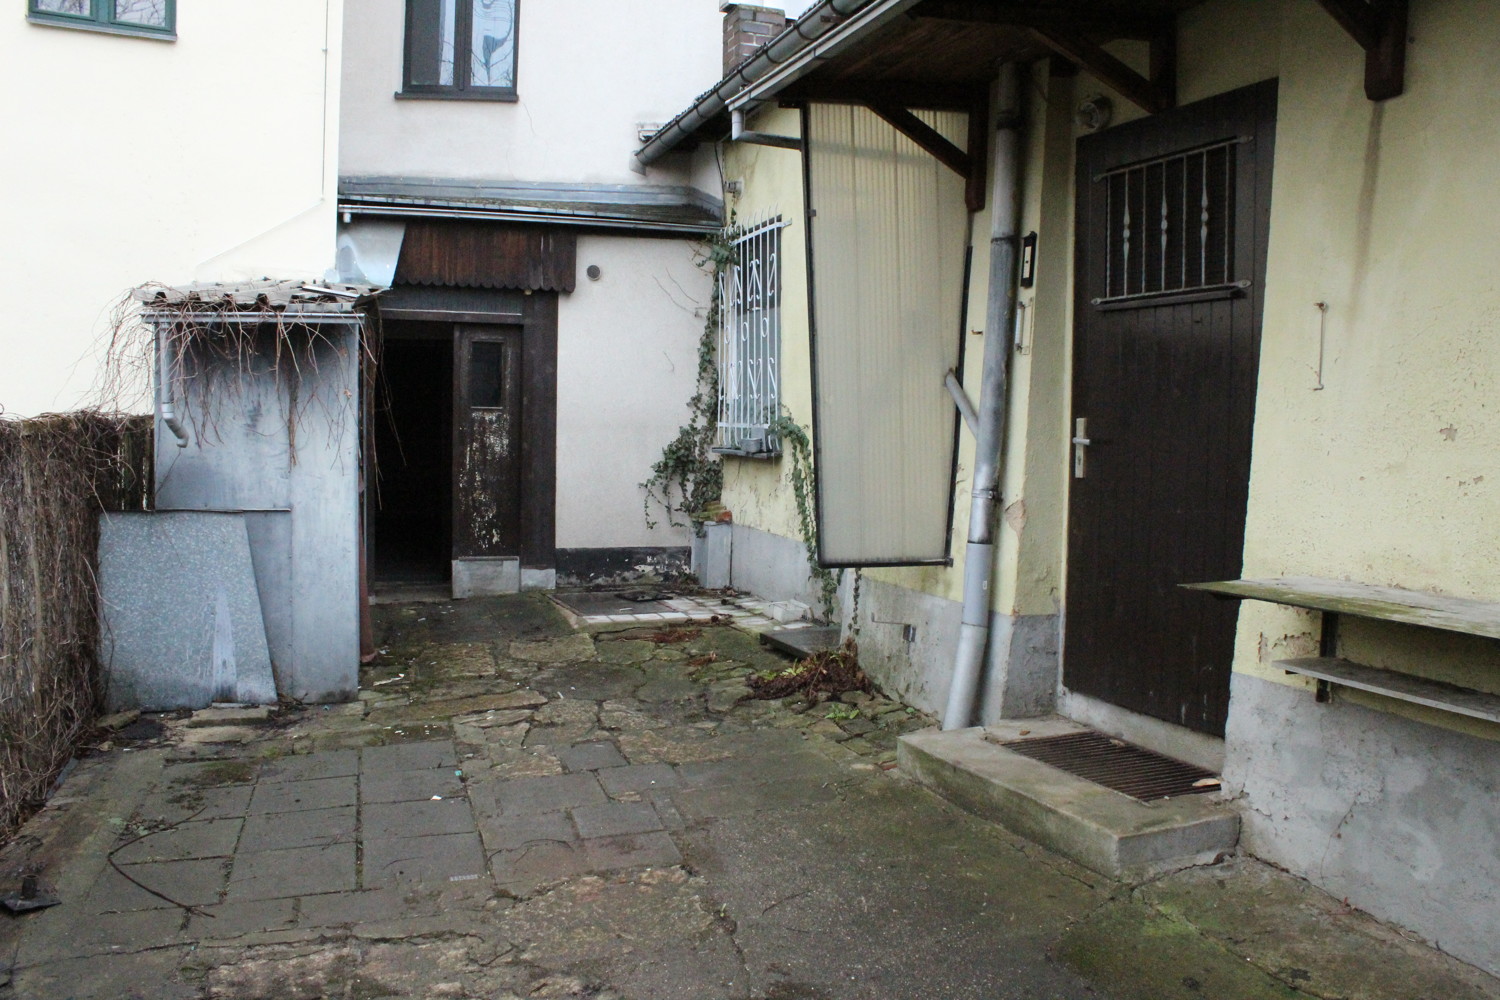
[1104,760]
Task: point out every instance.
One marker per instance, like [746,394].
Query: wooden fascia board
[1379,27]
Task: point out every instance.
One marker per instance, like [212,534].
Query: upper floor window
[461,48]
[155,18]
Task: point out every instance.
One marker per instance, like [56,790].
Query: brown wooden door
[486,441]
[1171,237]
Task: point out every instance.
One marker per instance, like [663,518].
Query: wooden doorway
[1173,213]
[487,442]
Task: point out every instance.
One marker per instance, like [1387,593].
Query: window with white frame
[750,339]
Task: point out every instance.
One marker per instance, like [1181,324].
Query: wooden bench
[1336,598]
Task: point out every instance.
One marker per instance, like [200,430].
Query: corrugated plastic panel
[888,242]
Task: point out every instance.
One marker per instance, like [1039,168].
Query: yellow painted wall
[758,492]
[1381,211]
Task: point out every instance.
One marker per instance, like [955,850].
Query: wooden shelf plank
[1409,607]
[1418,690]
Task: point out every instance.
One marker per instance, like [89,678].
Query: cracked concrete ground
[518,809]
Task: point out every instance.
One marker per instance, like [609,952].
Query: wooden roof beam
[1379,26]
[1157,94]
[924,135]
[969,164]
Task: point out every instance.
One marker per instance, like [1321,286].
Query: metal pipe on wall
[979,555]
[164,388]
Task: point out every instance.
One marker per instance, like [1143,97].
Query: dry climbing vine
[795,442]
[209,350]
[689,476]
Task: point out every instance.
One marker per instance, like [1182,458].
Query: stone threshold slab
[1097,827]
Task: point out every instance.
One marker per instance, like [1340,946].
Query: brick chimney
[747,28]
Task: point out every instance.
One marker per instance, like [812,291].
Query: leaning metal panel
[888,233]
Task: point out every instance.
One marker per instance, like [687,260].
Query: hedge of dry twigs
[56,473]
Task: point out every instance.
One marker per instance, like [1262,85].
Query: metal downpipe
[164,402]
[979,556]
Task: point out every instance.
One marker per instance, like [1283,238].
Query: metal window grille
[1171,224]
[750,339]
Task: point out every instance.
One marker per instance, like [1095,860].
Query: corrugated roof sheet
[261,295]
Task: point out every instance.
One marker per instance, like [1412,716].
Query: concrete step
[802,642]
[1099,828]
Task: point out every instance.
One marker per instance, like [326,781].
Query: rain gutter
[816,36]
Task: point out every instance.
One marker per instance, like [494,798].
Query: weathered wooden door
[486,441]
[1171,239]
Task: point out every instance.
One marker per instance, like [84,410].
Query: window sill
[155,34]
[742,453]
[501,96]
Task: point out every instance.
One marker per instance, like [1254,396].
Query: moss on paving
[1137,953]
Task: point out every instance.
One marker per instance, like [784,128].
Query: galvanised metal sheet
[182,616]
[888,234]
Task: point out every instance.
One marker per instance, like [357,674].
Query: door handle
[1080,442]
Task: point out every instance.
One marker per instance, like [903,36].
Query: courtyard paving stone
[535,795]
[418,756]
[440,858]
[632,850]
[205,839]
[410,786]
[297,871]
[310,828]
[609,819]
[591,756]
[505,833]
[388,820]
[305,767]
[638,778]
[625,827]
[297,796]
[191,883]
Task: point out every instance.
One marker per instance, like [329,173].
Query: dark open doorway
[412,508]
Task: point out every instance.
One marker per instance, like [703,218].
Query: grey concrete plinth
[712,555]
[1100,828]
[483,576]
